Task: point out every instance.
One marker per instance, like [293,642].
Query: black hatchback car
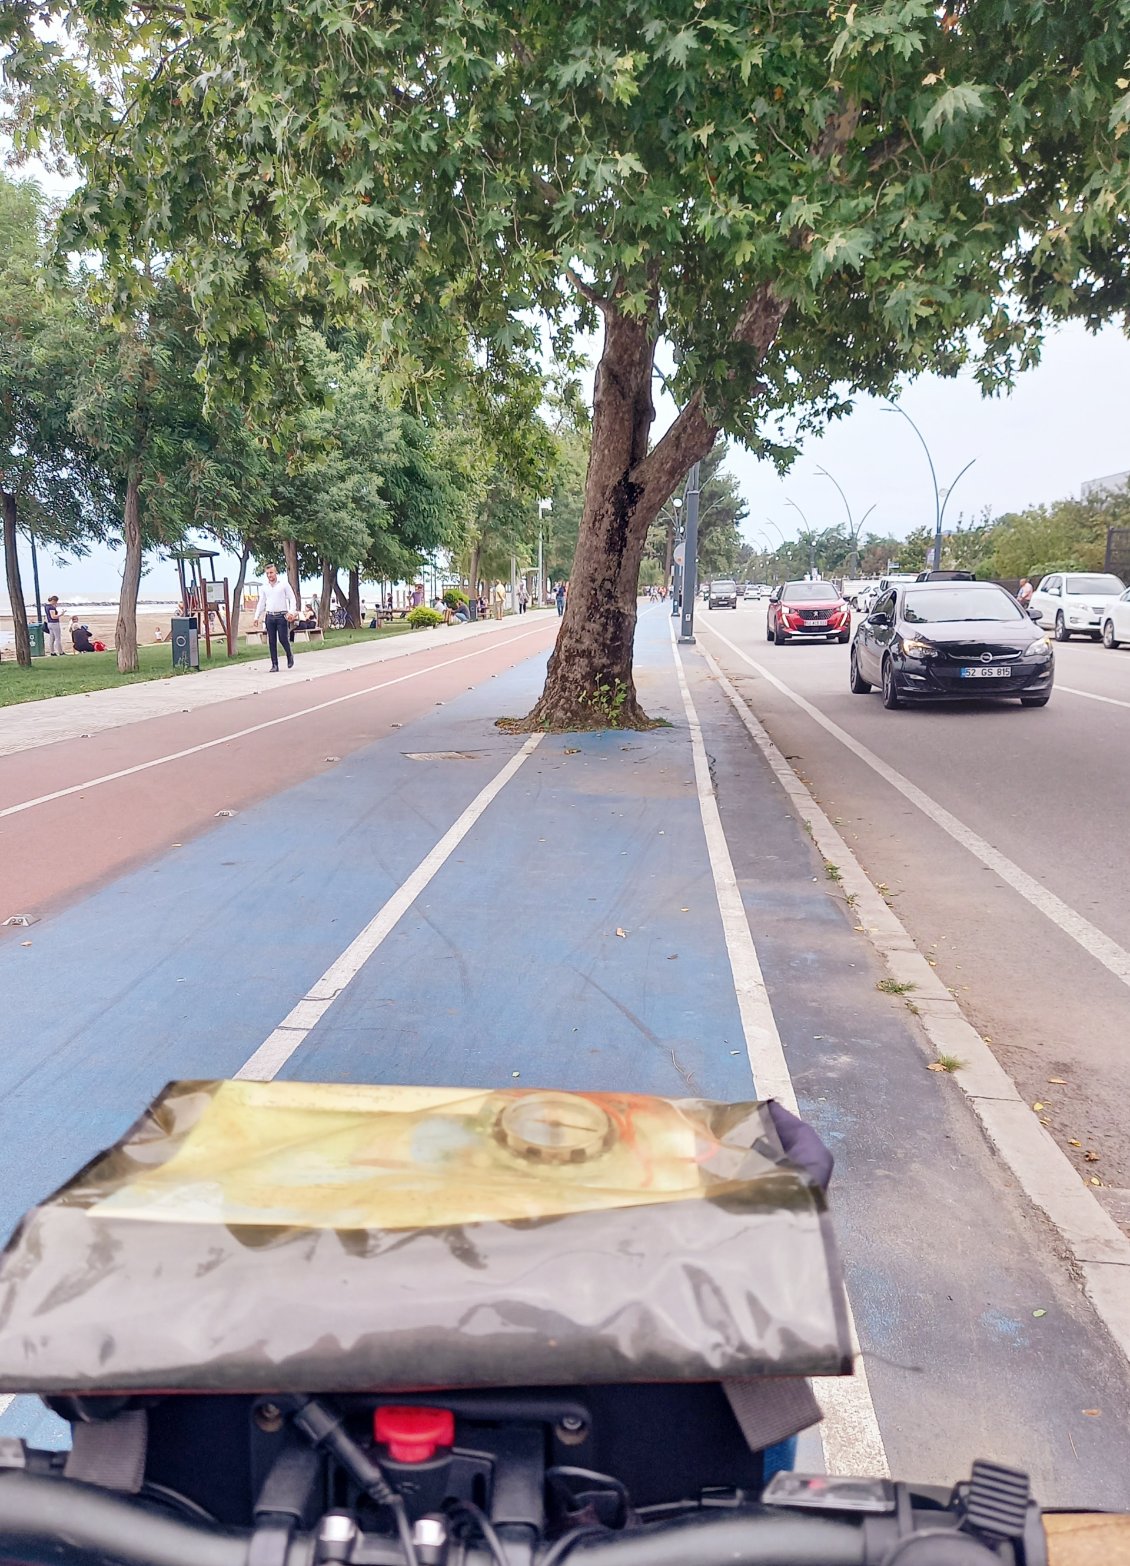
[951,640]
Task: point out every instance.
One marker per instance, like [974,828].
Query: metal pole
[541,570]
[35,574]
[513,584]
[952,487]
[893,407]
[690,559]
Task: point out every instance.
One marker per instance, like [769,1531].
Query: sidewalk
[33,723]
[570,934]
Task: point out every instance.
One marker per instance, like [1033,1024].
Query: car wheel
[768,632]
[891,698]
[779,635]
[859,686]
[1109,638]
[1035,701]
[1095,635]
[1062,634]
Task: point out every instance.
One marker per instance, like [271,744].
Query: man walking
[277,608]
[53,620]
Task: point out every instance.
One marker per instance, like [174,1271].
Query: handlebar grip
[1087,1538]
[41,1511]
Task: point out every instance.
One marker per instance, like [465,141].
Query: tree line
[109,433]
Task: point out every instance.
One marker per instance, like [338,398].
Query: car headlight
[915,647]
[1040,648]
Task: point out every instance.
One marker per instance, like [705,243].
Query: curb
[1095,1243]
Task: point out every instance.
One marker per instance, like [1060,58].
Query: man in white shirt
[277,608]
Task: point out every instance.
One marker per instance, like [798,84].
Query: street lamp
[940,496]
[853,531]
[810,537]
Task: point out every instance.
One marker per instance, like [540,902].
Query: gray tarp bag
[286,1236]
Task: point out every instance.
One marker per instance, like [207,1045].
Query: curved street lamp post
[940,496]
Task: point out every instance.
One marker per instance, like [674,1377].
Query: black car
[951,639]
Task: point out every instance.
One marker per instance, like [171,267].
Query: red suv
[807,611]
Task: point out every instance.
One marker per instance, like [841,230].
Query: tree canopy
[802,202]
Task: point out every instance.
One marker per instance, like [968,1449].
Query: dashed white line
[1087,935]
[853,1443]
[254,728]
[1071,690]
[277,1048]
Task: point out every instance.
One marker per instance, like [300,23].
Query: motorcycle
[292,1324]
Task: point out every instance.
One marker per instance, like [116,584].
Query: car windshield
[959,603]
[725,587]
[809,593]
[1083,586]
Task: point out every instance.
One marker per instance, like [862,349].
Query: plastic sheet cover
[284,1236]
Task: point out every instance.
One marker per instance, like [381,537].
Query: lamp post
[690,568]
[940,496]
[807,536]
[543,507]
[853,531]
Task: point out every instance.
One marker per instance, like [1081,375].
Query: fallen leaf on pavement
[1095,1180]
[935,1066]
[623,934]
[1059,1081]
[572,750]
[684,910]
[1092,1413]
[25,943]
[1039,1313]
[1073,1143]
[673,957]
[1091,1158]
[1037,1107]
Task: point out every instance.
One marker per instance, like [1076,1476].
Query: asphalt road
[1046,788]
[571,935]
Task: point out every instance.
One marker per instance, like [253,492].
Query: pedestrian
[559,597]
[277,609]
[1025,593]
[523,597]
[53,620]
[499,600]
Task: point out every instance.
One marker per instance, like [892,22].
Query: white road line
[257,728]
[1098,1247]
[853,1443]
[275,1050]
[1071,690]
[1093,941]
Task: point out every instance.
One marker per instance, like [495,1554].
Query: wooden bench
[316,635]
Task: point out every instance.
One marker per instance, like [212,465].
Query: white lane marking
[1042,1170]
[853,1443]
[257,728]
[1093,941]
[277,1048]
[5,1401]
[1071,690]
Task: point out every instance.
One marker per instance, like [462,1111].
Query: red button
[412,1435]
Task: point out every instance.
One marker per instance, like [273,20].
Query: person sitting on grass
[81,639]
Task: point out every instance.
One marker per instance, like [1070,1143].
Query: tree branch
[602,304]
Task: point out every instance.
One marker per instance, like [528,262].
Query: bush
[423,616]
[454,596]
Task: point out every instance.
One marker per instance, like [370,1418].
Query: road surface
[496,909]
[1044,788]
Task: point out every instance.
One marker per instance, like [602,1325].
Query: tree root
[577,717]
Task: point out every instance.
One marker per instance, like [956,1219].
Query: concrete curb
[1095,1243]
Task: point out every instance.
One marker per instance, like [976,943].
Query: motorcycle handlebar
[40,1513]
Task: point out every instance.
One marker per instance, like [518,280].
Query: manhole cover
[443,755]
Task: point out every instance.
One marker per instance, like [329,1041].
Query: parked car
[1116,621]
[1074,603]
[951,640]
[867,600]
[805,610]
[946,576]
[723,595]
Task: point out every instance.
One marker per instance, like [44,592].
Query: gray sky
[1064,423]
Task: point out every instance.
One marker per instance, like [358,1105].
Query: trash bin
[186,642]
[35,637]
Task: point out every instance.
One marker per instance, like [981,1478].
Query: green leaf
[967,101]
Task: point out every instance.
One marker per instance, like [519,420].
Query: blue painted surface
[509,964]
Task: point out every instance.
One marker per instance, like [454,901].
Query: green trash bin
[35,636]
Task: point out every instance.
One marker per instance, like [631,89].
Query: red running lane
[53,851]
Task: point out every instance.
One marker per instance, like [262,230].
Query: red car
[807,611]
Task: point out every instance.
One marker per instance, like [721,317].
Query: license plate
[817,624]
[987,672]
